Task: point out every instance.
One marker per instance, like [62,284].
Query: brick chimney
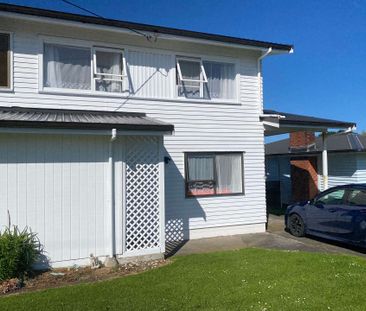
[302,141]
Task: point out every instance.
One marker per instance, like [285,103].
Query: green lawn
[249,279]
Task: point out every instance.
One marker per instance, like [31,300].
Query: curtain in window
[200,167]
[221,80]
[190,70]
[201,175]
[4,60]
[67,67]
[111,63]
[229,175]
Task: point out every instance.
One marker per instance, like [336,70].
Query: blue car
[338,214]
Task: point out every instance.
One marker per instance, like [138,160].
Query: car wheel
[296,225]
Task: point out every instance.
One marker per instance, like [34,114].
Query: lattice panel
[142,193]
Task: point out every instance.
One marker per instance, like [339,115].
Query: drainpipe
[111,260]
[325,161]
[259,66]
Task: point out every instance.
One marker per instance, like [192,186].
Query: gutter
[90,22]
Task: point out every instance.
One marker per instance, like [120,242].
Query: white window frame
[80,44]
[203,77]
[11,63]
[95,75]
[201,59]
[192,60]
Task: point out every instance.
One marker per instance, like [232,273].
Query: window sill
[127,95]
[214,195]
[208,101]
[6,90]
[82,93]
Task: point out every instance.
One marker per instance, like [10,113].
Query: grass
[249,279]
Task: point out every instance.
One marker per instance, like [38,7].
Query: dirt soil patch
[75,275]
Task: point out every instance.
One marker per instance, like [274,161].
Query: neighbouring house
[294,165]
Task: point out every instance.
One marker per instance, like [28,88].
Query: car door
[321,214]
[352,216]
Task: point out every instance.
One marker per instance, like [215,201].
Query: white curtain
[229,174]
[221,80]
[67,67]
[111,63]
[201,167]
[189,70]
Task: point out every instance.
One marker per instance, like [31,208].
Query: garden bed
[75,275]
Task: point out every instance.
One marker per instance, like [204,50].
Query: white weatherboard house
[118,138]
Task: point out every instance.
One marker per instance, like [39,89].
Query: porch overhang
[276,123]
[28,119]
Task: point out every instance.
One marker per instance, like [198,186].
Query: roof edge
[26,10]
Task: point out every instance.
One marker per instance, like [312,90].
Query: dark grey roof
[350,142]
[140,27]
[79,119]
[297,119]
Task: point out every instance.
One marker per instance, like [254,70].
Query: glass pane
[190,70]
[357,197]
[67,67]
[109,63]
[229,173]
[200,167]
[221,80]
[4,60]
[332,198]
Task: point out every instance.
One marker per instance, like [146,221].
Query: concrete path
[274,238]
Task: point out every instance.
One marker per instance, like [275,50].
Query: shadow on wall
[178,209]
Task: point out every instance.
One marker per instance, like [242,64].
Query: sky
[324,77]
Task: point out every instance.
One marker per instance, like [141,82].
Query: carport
[277,123]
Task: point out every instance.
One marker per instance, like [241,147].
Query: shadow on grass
[355,248]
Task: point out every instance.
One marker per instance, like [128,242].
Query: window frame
[80,44]
[213,153]
[11,63]
[95,75]
[201,81]
[225,60]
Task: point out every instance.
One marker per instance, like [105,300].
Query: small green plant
[19,250]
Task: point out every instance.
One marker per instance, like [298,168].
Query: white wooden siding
[342,169]
[199,126]
[56,185]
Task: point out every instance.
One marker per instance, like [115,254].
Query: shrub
[18,252]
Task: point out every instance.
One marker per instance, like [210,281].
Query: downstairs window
[5,69]
[210,174]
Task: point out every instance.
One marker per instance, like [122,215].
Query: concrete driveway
[274,238]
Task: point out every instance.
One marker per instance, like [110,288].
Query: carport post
[325,161]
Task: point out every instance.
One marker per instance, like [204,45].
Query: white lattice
[142,216]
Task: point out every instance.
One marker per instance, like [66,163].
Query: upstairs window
[209,174]
[108,70]
[5,61]
[205,79]
[191,77]
[66,67]
[83,68]
[221,80]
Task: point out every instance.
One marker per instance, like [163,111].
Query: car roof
[348,186]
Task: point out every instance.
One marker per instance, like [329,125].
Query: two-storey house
[118,138]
